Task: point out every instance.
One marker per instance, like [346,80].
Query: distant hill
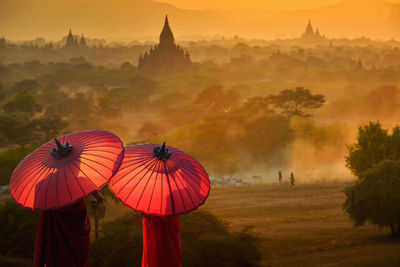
[349,18]
[28,19]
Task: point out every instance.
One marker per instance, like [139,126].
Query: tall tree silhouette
[296,102]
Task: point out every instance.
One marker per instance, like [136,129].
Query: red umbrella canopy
[67,169]
[160,180]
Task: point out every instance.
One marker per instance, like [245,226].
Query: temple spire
[70,43]
[309,33]
[317,34]
[82,42]
[166,56]
[166,36]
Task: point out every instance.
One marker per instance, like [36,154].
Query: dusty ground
[305,226]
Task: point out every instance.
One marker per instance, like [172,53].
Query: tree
[77,60]
[376,197]
[267,137]
[106,108]
[143,83]
[31,85]
[374,159]
[79,110]
[130,98]
[23,102]
[255,106]
[47,128]
[394,144]
[215,99]
[15,129]
[2,92]
[83,67]
[296,102]
[373,145]
[218,134]
[126,66]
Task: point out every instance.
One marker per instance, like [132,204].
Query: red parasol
[160,180]
[59,173]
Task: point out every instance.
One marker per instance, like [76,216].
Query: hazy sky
[52,19]
[254,4]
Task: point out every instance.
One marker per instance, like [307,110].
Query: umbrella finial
[161,152]
[61,150]
[59,145]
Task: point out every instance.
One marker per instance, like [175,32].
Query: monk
[63,236]
[161,241]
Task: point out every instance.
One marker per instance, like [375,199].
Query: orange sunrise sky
[254,4]
[193,19]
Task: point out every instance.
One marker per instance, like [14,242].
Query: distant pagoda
[82,42]
[309,34]
[72,42]
[166,56]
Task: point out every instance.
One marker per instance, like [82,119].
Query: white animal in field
[231,183]
[226,178]
[246,183]
[238,180]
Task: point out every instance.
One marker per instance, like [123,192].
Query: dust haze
[219,107]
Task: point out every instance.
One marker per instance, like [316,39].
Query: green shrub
[17,231]
[15,262]
[206,241]
[121,243]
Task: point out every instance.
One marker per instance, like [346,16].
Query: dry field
[305,226]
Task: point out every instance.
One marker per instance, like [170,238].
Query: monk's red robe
[161,241]
[63,237]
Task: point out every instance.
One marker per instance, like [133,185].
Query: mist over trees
[223,105]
